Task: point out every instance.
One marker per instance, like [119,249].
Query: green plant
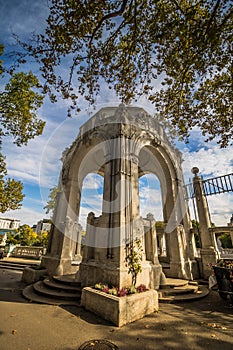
[134,258]
[225,238]
[109,289]
[113,291]
[132,290]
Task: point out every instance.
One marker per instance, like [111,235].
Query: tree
[11,194]
[50,206]
[42,239]
[12,238]
[184,45]
[26,236]
[196,228]
[225,238]
[19,103]
[1,52]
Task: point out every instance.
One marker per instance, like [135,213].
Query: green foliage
[25,236]
[11,195]
[225,238]
[18,106]
[185,46]
[159,224]
[12,238]
[134,258]
[50,206]
[195,226]
[41,239]
[11,191]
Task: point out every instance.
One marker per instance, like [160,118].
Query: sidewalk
[205,324]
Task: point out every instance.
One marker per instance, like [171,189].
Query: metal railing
[215,185]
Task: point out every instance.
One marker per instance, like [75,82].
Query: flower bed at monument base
[119,310]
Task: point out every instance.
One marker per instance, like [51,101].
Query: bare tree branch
[212,16]
[108,16]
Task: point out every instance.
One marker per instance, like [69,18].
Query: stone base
[209,257]
[120,311]
[32,275]
[185,270]
[92,272]
[157,276]
[58,266]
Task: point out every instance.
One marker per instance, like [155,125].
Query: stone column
[62,242]
[151,247]
[208,250]
[230,224]
[120,222]
[180,264]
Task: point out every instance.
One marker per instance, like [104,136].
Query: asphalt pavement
[203,324]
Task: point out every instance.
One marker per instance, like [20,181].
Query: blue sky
[38,165]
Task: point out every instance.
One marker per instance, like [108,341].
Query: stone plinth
[119,310]
[209,257]
[58,266]
[32,275]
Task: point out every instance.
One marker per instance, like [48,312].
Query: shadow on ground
[204,324]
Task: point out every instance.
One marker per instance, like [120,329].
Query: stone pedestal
[32,275]
[209,257]
[58,266]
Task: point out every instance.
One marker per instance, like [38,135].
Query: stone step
[70,280]
[202,292]
[59,290]
[175,282]
[41,289]
[187,289]
[30,295]
[11,265]
[62,286]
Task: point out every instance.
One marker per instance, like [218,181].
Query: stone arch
[116,143]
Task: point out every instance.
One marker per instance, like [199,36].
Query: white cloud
[212,162]
[26,215]
[221,208]
[93,181]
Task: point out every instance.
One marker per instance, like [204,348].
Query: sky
[38,164]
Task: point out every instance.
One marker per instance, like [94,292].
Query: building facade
[6,223]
